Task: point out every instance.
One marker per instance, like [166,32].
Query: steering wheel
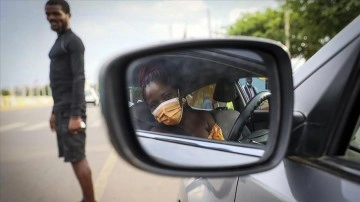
[237,129]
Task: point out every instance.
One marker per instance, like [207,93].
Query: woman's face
[157,92]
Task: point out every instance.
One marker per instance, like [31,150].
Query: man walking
[250,90]
[67,80]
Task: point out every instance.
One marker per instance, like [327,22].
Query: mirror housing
[115,108]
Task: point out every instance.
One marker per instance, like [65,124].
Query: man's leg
[83,174]
[74,152]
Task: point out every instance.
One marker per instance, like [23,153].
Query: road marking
[11,126]
[36,126]
[106,170]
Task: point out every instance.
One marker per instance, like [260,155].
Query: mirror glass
[202,107]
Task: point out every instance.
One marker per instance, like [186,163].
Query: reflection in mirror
[192,106]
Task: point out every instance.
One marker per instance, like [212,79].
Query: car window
[134,95]
[355,140]
[203,98]
[88,93]
[353,151]
[249,90]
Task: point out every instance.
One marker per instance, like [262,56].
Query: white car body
[91,96]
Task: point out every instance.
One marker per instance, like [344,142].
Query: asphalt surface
[31,171]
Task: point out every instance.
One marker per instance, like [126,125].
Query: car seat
[225,91]
[142,117]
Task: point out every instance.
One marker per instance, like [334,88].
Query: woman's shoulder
[206,116]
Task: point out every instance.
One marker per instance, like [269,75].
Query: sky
[107,29]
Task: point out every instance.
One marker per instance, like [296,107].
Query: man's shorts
[71,147]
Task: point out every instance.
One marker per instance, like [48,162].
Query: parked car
[91,96]
[303,146]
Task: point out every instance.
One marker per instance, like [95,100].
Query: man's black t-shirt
[67,76]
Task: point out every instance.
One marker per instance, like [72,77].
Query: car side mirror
[164,130]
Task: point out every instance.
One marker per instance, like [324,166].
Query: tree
[47,90]
[5,92]
[312,23]
[270,24]
[258,25]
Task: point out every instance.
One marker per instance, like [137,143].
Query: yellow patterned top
[216,133]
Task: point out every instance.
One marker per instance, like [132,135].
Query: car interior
[217,74]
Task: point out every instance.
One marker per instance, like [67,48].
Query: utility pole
[287,24]
[185,32]
[209,22]
[170,31]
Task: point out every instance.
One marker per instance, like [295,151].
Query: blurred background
[28,154]
[108,28]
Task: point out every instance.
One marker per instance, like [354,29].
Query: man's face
[58,19]
[249,80]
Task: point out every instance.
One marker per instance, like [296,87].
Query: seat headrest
[225,91]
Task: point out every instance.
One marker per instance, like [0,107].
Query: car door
[323,162]
[208,189]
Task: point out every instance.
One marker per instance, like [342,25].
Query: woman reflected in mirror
[163,97]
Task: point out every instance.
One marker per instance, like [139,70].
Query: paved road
[30,170]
